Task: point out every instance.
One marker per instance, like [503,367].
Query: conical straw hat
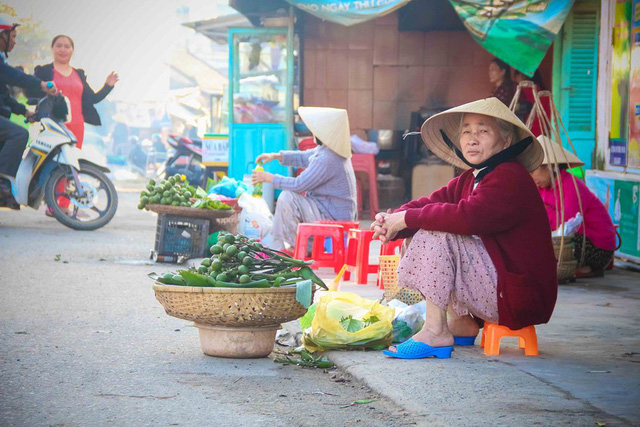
[555,154]
[449,122]
[329,125]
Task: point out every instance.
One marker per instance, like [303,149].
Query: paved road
[84,342]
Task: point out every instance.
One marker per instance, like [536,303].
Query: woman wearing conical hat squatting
[597,230]
[326,189]
[478,249]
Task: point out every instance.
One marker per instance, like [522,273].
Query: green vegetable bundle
[176,191]
[239,262]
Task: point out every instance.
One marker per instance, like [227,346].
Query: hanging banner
[633,154]
[621,63]
[517,31]
[348,12]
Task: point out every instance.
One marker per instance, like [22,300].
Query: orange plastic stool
[318,252]
[358,245]
[367,163]
[492,334]
[320,232]
[388,249]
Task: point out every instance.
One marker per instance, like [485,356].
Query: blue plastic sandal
[411,349]
[463,341]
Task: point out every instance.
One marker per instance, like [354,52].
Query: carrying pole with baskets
[551,126]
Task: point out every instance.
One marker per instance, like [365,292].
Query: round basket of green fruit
[175,196]
[243,284]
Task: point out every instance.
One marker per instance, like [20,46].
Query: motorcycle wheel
[94,210]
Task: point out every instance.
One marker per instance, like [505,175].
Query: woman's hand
[112,79]
[376,226]
[259,176]
[391,225]
[268,157]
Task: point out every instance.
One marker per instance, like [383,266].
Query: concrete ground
[84,342]
[588,371]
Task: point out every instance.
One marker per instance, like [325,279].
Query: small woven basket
[567,263]
[567,248]
[389,278]
[230,307]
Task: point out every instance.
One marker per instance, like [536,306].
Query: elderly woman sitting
[480,248]
[326,189]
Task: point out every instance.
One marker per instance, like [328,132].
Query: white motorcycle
[74,187]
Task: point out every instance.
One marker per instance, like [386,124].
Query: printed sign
[215,150]
[348,12]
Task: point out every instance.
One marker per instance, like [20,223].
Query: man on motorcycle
[13,138]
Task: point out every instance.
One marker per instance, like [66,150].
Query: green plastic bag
[336,311]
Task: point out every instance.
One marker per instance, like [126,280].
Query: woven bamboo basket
[567,263]
[230,307]
[567,248]
[191,212]
[567,270]
[389,279]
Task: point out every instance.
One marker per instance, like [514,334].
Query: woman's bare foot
[584,270]
[463,326]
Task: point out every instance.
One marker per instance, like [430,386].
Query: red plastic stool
[367,163]
[389,249]
[358,244]
[492,334]
[318,252]
[320,232]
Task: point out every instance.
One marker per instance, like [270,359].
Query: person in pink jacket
[597,227]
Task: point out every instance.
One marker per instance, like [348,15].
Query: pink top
[599,227]
[72,88]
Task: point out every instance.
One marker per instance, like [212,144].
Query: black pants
[13,140]
[594,257]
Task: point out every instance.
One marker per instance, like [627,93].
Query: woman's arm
[93,96]
[494,206]
[297,159]
[442,195]
[317,173]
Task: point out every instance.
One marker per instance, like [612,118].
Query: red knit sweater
[506,211]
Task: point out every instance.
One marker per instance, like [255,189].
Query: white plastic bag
[408,320]
[255,220]
[570,226]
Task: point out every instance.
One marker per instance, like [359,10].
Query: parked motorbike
[54,171]
[147,155]
[186,159]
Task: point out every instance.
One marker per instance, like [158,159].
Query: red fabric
[527,97]
[505,92]
[71,87]
[599,227]
[506,212]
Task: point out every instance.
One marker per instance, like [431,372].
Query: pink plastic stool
[358,244]
[367,163]
[320,232]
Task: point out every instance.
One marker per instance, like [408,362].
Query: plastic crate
[178,235]
[389,277]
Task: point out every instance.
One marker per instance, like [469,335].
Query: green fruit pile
[173,191]
[239,262]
